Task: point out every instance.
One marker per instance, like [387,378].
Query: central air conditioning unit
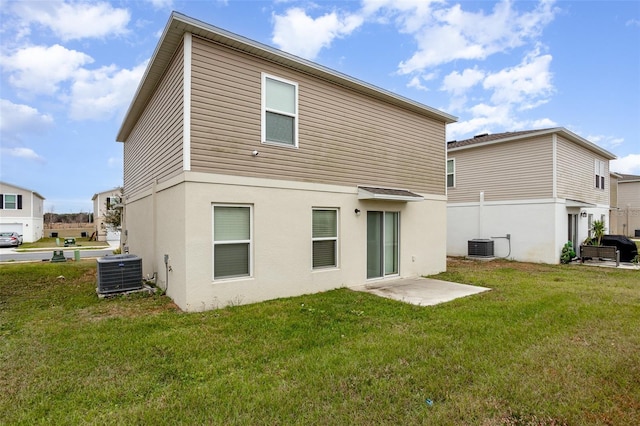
[120,273]
[480,248]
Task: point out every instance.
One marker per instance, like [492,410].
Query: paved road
[10,255]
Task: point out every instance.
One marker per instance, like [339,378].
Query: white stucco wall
[282,248]
[538,228]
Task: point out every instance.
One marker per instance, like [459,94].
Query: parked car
[10,239]
[628,249]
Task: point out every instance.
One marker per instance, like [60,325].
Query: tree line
[68,218]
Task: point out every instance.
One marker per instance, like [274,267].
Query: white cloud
[101,94]
[26,153]
[449,34]
[409,15]
[161,4]
[633,23]
[299,34]
[417,81]
[525,83]
[458,83]
[494,118]
[21,119]
[607,142]
[77,20]
[27,72]
[629,164]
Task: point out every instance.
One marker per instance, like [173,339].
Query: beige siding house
[251,174]
[530,192]
[21,211]
[625,205]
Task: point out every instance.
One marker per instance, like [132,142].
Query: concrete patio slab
[420,291]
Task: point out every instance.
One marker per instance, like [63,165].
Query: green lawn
[549,345]
[49,242]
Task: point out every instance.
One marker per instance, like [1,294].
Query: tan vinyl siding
[515,170]
[576,173]
[345,138]
[154,148]
[628,194]
[613,191]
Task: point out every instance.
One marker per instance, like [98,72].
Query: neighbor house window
[231,241]
[599,173]
[325,238]
[451,171]
[279,111]
[10,201]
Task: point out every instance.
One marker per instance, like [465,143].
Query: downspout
[480,214]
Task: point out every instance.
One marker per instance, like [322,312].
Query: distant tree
[113,211]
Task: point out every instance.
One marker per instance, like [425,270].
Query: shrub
[568,253]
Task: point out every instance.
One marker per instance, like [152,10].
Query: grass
[549,345]
[48,243]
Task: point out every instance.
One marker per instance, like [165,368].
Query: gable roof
[116,190]
[179,24]
[21,189]
[628,178]
[489,139]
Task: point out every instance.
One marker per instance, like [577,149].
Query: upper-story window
[451,173]
[10,201]
[599,173]
[279,111]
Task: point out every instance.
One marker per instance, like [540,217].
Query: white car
[10,239]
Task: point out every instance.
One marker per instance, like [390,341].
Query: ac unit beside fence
[119,273]
[480,248]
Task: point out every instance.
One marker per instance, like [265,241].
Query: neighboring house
[625,205]
[21,211]
[541,188]
[102,203]
[251,174]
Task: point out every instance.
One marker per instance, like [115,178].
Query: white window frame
[15,202]
[336,239]
[214,243]
[599,168]
[264,140]
[453,173]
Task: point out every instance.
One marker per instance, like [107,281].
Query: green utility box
[58,256]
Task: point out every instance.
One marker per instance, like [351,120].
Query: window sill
[325,269]
[232,279]
[280,144]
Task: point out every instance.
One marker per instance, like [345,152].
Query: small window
[451,170]
[279,111]
[231,241]
[599,173]
[325,238]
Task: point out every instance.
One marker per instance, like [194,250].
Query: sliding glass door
[382,243]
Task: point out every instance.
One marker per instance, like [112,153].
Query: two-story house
[21,211]
[529,192]
[252,174]
[103,203]
[625,205]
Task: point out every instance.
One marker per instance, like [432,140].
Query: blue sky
[69,71]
